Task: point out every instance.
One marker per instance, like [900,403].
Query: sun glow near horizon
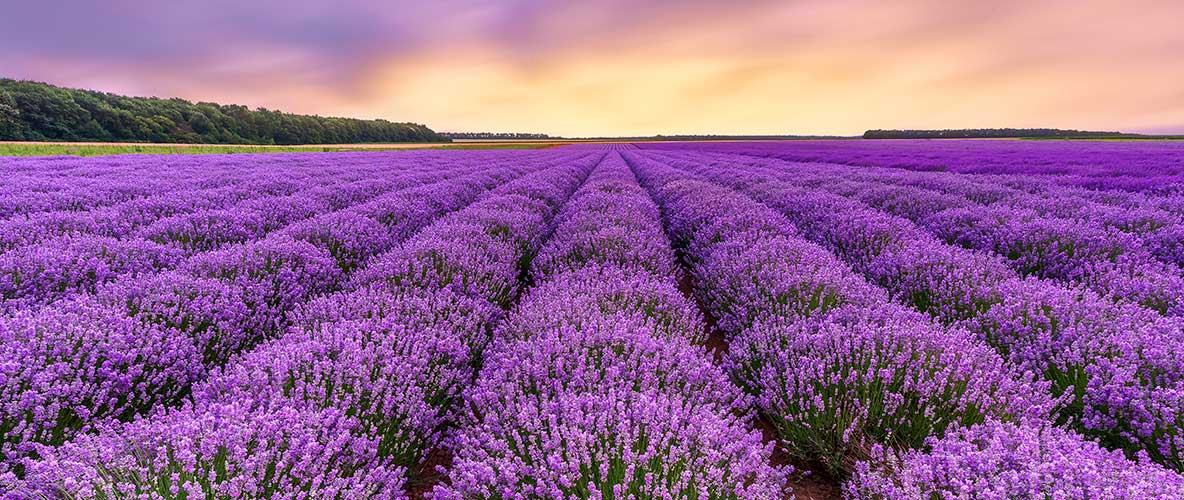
[600,68]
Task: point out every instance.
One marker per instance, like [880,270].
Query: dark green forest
[987,133]
[34,111]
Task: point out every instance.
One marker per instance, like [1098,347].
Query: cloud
[609,67]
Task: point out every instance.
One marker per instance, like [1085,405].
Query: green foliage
[11,126]
[160,149]
[33,111]
[991,133]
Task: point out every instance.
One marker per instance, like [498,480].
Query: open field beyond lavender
[107,149]
[757,320]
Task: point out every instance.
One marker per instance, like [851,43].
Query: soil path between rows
[808,481]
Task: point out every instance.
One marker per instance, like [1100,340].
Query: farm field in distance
[811,319]
[105,149]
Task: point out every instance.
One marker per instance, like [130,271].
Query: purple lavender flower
[213,314]
[350,238]
[836,369]
[42,273]
[222,451]
[275,274]
[629,445]
[838,384]
[78,364]
[997,460]
[1116,365]
[397,381]
[597,290]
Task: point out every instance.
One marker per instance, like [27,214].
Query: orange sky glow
[610,67]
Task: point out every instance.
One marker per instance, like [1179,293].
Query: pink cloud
[614,67]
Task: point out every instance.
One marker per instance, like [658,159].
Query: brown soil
[425,476]
[716,342]
[808,481]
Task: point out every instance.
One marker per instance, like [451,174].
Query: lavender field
[874,320]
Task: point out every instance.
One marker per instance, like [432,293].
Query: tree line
[985,133]
[34,111]
[494,135]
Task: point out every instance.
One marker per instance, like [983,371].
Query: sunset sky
[615,67]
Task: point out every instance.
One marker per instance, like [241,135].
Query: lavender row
[257,194]
[1161,194]
[1111,365]
[1104,258]
[43,272]
[121,219]
[99,183]
[206,230]
[1109,261]
[1004,461]
[597,385]
[432,313]
[1036,191]
[803,350]
[1117,366]
[221,302]
[210,184]
[1153,224]
[109,367]
[1145,166]
[36,185]
[835,366]
[364,374]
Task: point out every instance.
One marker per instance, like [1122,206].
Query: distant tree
[38,111]
[11,127]
[984,133]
